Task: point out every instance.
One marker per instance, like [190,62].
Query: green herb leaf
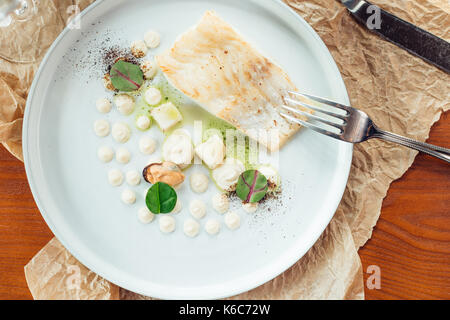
[161,198]
[252,186]
[126,76]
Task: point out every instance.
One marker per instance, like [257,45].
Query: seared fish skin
[213,65]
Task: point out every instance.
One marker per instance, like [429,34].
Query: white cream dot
[124,103]
[149,68]
[221,203]
[250,207]
[232,220]
[178,206]
[139,48]
[115,177]
[101,128]
[143,122]
[123,155]
[167,224]
[128,196]
[212,227]
[197,209]
[133,178]
[191,228]
[120,132]
[152,39]
[199,182]
[145,216]
[152,96]
[105,154]
[103,105]
[147,145]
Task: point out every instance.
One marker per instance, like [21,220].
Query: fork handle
[435,151]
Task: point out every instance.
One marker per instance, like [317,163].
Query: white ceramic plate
[85,213]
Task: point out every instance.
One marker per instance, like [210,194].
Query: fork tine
[312,127]
[311,116]
[305,105]
[322,100]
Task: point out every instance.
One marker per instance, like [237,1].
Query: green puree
[243,149]
[250,155]
[212,123]
[192,112]
[168,93]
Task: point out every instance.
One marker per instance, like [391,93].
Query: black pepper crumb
[112,54]
[104,47]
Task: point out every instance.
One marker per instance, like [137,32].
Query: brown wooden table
[410,244]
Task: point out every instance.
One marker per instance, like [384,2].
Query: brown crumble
[137,53]
[107,82]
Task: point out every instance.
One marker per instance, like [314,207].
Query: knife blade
[402,33]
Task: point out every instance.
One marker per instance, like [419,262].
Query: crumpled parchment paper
[400,92]
[65,278]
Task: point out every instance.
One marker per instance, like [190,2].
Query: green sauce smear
[192,112]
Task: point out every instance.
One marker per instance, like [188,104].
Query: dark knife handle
[408,36]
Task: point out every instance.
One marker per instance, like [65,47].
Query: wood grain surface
[410,244]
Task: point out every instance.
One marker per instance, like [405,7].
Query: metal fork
[351,125]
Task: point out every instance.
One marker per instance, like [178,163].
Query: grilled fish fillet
[213,65]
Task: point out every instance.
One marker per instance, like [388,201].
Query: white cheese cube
[212,152]
[167,116]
